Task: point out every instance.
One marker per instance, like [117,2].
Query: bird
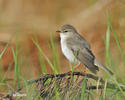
[78,50]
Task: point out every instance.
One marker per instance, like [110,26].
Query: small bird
[77,50]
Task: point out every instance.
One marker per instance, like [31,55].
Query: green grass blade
[118,85]
[83,90]
[116,39]
[119,45]
[16,67]
[49,62]
[42,64]
[54,53]
[1,54]
[107,42]
[56,64]
[51,65]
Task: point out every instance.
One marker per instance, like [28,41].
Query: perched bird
[76,49]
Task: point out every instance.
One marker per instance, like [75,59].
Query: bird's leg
[78,67]
[74,67]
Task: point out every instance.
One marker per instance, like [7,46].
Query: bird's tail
[98,63]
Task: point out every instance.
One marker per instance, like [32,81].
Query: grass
[42,64]
[55,66]
[107,50]
[56,61]
[16,67]
[109,59]
[1,55]
[83,89]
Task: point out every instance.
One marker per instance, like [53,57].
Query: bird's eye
[65,31]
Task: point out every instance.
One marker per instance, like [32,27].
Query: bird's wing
[83,54]
[82,41]
[86,57]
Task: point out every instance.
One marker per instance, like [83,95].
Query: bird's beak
[58,31]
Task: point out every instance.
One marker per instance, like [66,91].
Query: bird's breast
[66,50]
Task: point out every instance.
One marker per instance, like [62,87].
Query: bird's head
[67,30]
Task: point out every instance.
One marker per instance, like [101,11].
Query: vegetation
[34,68]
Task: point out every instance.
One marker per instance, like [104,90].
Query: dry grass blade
[68,88]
